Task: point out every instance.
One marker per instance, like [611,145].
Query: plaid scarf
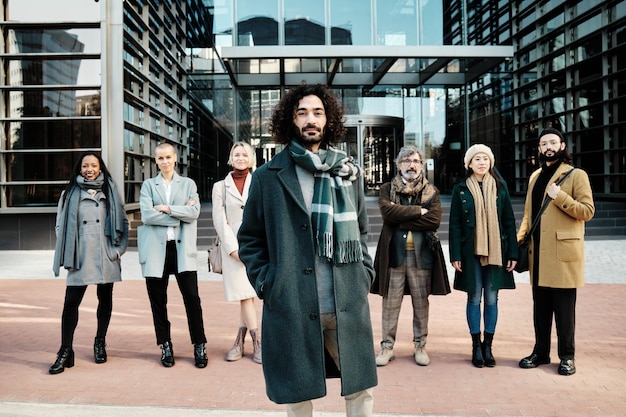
[334,217]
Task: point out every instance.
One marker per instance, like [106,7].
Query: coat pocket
[569,245]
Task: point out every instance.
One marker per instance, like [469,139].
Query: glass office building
[123,76]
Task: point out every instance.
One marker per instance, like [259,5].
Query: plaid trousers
[419,282]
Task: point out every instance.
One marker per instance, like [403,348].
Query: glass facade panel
[53,11]
[33,195]
[396,22]
[305,22]
[350,25]
[43,71]
[53,103]
[257,22]
[36,41]
[52,134]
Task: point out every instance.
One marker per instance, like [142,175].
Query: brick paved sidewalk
[30,332]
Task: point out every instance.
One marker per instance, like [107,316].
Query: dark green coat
[461,238]
[276,245]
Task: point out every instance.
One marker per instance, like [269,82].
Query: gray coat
[152,235]
[276,245]
[100,259]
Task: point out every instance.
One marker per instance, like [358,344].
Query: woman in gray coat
[92,235]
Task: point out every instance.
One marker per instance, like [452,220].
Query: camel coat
[562,229]
[152,235]
[228,207]
[276,245]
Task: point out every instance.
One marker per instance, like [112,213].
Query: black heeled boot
[99,352]
[477,351]
[167,354]
[199,354]
[65,359]
[490,361]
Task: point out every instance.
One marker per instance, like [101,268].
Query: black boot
[99,352]
[490,362]
[199,354]
[65,359]
[477,351]
[167,354]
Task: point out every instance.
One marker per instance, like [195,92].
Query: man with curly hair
[303,240]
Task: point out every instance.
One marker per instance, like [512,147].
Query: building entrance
[374,142]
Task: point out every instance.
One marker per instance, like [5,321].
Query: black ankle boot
[487,352]
[99,352]
[477,351]
[167,354]
[65,359]
[199,354]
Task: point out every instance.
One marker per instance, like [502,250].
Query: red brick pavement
[30,332]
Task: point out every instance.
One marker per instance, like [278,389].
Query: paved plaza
[133,382]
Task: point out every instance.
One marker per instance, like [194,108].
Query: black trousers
[73,298]
[188,285]
[560,303]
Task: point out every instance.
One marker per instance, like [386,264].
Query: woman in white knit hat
[483,246]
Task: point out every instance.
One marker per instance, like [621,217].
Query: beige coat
[227,213]
[562,228]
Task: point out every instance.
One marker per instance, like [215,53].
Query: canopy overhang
[365,66]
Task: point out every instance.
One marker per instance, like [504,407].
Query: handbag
[523,261]
[215,256]
[215,250]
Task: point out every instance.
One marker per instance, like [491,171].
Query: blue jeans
[483,283]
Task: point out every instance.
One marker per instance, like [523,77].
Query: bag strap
[544,206]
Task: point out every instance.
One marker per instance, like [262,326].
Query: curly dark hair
[282,127]
[76,171]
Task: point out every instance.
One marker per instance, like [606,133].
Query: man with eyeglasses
[556,248]
[410,209]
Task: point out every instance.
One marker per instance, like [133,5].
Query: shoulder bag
[215,250]
[523,263]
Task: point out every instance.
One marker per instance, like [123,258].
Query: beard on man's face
[306,138]
[556,156]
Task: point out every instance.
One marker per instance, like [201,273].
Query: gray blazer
[152,235]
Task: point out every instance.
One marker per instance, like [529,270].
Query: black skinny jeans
[73,298]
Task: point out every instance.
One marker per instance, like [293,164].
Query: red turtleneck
[239,176]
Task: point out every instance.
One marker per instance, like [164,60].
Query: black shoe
[533,361]
[65,359]
[167,355]
[99,352]
[567,367]
[199,353]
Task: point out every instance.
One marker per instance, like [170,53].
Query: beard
[557,156]
[307,140]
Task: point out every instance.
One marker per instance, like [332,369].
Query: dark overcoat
[403,217]
[276,245]
[461,238]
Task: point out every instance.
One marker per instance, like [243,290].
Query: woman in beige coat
[229,199]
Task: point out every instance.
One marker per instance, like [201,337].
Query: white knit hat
[478,148]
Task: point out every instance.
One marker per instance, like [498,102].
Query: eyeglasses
[410,161]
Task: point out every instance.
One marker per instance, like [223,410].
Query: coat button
[97,205]
[98,221]
[313,316]
[84,221]
[242,207]
[304,227]
[308,271]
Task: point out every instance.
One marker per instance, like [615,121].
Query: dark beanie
[549,130]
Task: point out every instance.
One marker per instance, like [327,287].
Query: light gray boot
[256,343]
[236,352]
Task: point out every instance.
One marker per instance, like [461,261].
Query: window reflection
[53,134]
[304,22]
[23,40]
[53,103]
[35,71]
[396,22]
[350,25]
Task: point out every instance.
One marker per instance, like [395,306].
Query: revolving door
[374,142]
